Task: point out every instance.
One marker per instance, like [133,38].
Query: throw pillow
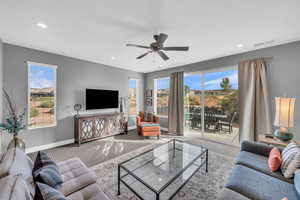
[148,116]
[297,181]
[46,171]
[45,192]
[275,159]
[290,159]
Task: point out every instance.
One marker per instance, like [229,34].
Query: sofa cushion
[91,192]
[14,162]
[46,171]
[228,194]
[259,163]
[256,185]
[45,192]
[148,117]
[6,162]
[67,165]
[297,181]
[72,185]
[75,176]
[290,159]
[274,160]
[15,187]
[256,147]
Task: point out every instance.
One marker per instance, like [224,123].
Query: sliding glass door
[211,105]
[193,103]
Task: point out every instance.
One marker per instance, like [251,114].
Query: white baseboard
[131,128]
[49,146]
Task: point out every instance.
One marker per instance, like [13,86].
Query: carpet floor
[95,152]
[201,186]
[92,153]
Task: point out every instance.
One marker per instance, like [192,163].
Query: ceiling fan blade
[175,48]
[143,55]
[136,45]
[163,55]
[162,38]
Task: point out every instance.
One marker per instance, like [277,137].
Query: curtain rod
[264,58]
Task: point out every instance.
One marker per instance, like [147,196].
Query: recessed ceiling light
[113,58]
[239,45]
[264,43]
[42,25]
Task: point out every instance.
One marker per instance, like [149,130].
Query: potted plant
[13,123]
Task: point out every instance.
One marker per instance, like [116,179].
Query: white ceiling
[97,30]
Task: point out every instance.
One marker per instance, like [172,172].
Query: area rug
[201,186]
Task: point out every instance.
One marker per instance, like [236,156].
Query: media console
[95,126]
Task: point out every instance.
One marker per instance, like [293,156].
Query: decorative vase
[17,143]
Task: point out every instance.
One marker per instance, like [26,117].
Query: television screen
[101,99]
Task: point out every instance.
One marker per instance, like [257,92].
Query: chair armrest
[138,120]
[256,147]
[156,119]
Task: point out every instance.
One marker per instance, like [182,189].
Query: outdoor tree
[187,89]
[230,103]
[225,84]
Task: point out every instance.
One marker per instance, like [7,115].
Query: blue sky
[41,77]
[132,83]
[212,80]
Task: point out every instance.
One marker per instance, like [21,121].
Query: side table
[273,141]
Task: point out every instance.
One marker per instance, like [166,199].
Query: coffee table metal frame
[158,192]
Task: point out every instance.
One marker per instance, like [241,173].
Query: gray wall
[1,84]
[73,77]
[283,72]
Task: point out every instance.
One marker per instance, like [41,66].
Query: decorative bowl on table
[283,136]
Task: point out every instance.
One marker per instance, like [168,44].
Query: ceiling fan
[158,47]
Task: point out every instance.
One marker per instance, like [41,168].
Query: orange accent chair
[148,128]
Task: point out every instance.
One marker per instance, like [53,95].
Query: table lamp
[284,117]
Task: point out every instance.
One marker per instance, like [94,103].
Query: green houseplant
[14,122]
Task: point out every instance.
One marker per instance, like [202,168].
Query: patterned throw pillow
[290,159]
[149,116]
[45,192]
[46,171]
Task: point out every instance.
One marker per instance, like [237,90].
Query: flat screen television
[101,99]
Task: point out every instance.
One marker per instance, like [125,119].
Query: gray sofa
[251,177]
[16,182]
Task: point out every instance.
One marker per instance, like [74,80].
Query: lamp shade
[284,116]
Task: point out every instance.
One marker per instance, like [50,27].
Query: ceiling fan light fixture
[158,47]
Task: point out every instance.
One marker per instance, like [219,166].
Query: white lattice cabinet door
[92,127]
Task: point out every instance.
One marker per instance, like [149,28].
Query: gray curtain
[255,117]
[176,101]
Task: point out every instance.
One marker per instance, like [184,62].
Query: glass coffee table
[161,172]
